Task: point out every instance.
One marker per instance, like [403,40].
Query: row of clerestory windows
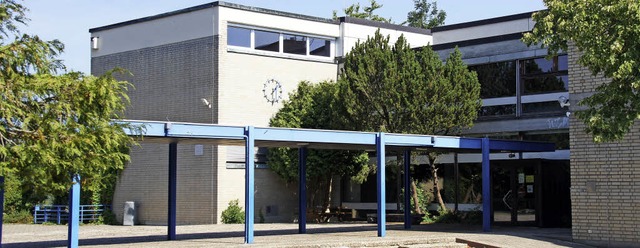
[279,42]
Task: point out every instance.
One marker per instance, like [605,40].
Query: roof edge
[484,21]
[211,5]
[348,19]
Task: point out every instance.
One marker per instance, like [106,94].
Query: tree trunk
[327,199]
[414,194]
[436,187]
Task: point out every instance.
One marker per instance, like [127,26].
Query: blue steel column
[302,190]
[171,214]
[1,206]
[249,185]
[486,186]
[382,203]
[74,212]
[407,189]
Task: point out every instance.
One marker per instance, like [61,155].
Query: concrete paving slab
[285,235]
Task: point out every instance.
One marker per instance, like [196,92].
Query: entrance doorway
[514,192]
[531,193]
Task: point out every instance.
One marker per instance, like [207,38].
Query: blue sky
[70,20]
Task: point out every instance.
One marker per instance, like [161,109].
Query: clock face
[272,91]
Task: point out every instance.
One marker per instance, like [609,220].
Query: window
[274,41]
[294,44]
[238,36]
[542,108]
[496,79]
[539,75]
[267,41]
[319,47]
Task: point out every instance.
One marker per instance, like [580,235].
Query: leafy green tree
[54,125]
[607,34]
[310,106]
[425,15]
[397,89]
[366,13]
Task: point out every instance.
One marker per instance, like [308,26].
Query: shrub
[21,217]
[233,214]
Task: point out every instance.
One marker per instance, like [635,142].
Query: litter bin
[129,213]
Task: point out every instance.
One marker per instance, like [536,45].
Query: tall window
[522,87]
[544,76]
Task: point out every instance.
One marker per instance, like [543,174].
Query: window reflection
[295,44]
[496,79]
[238,36]
[267,41]
[319,47]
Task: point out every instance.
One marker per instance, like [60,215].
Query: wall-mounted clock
[272,91]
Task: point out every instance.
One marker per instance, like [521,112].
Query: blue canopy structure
[172,133]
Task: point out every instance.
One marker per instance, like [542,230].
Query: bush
[21,217]
[233,214]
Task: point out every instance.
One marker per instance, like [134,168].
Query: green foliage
[312,106]
[233,214]
[55,125]
[425,15]
[20,217]
[367,12]
[607,34]
[425,197]
[396,89]
[107,218]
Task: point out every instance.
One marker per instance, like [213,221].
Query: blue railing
[59,214]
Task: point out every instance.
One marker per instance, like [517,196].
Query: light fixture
[205,102]
[564,101]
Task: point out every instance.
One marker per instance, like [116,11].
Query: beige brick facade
[605,178]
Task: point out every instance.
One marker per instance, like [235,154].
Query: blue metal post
[171,214]
[407,189]
[249,185]
[302,190]
[382,203]
[486,186]
[74,209]
[2,206]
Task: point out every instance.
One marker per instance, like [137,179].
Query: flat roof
[265,11]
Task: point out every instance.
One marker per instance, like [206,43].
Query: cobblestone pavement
[285,235]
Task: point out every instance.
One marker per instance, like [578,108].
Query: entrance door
[515,192]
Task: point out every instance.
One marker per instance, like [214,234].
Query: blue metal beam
[407,189]
[302,190]
[486,186]
[382,211]
[249,184]
[171,208]
[74,212]
[314,136]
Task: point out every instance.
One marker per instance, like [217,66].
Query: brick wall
[170,81]
[605,178]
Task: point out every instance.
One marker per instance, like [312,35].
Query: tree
[310,106]
[367,12]
[55,125]
[400,90]
[607,34]
[425,15]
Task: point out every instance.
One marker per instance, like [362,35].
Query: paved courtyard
[285,235]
